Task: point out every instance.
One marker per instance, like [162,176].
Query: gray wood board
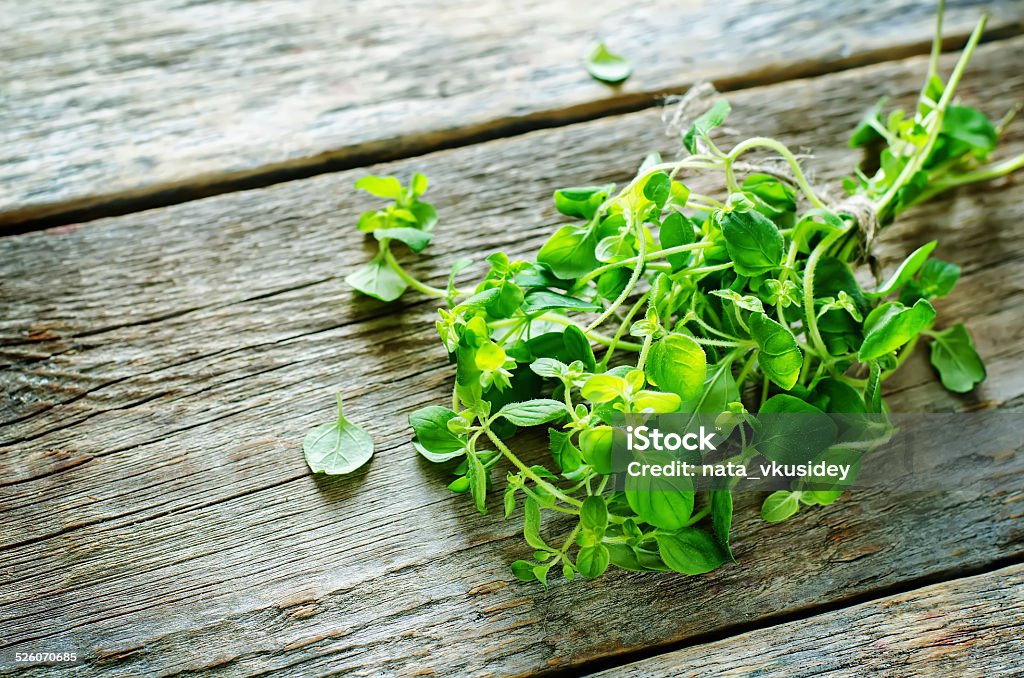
[160,370]
[112,105]
[964,627]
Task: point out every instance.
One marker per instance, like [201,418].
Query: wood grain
[965,627]
[161,368]
[114,106]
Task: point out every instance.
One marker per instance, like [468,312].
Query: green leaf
[433,438]
[592,561]
[657,188]
[534,412]
[719,390]
[538,301]
[531,524]
[771,193]
[780,357]
[606,66]
[721,518]
[791,431]
[416,239]
[602,388]
[892,325]
[677,364]
[708,121]
[477,475]
[654,401]
[581,201]
[662,501]
[937,278]
[337,447]
[378,280]
[865,133]
[954,356]
[747,302]
[677,230]
[690,551]
[596,446]
[578,347]
[382,187]
[594,514]
[418,184]
[565,454]
[780,505]
[569,252]
[426,216]
[906,270]
[753,241]
[968,129]
[523,570]
[489,356]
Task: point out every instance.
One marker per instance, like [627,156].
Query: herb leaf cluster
[653,299]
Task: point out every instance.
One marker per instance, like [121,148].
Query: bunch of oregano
[713,299]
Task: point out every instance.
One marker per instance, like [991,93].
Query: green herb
[605,66]
[337,447]
[657,299]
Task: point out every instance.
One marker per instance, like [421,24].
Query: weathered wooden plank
[965,627]
[162,367]
[132,103]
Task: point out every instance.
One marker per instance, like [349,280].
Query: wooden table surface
[161,361]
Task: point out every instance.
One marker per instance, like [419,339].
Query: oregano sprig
[727,309]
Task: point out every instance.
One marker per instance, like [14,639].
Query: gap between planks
[91,208]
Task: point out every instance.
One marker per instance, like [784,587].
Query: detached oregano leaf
[954,356]
[605,66]
[337,447]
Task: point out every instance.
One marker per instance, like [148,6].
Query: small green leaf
[721,518]
[662,501]
[690,551]
[747,302]
[606,66]
[596,446]
[657,188]
[337,447]
[538,301]
[779,506]
[954,356]
[581,201]
[780,357]
[523,570]
[677,364]
[531,524]
[416,239]
[477,475]
[792,431]
[906,270]
[578,347]
[677,230]
[378,280]
[891,325]
[708,121]
[602,388]
[565,454]
[433,438]
[569,252]
[594,514]
[937,278]
[382,187]
[592,561]
[753,241]
[534,412]
[418,184]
